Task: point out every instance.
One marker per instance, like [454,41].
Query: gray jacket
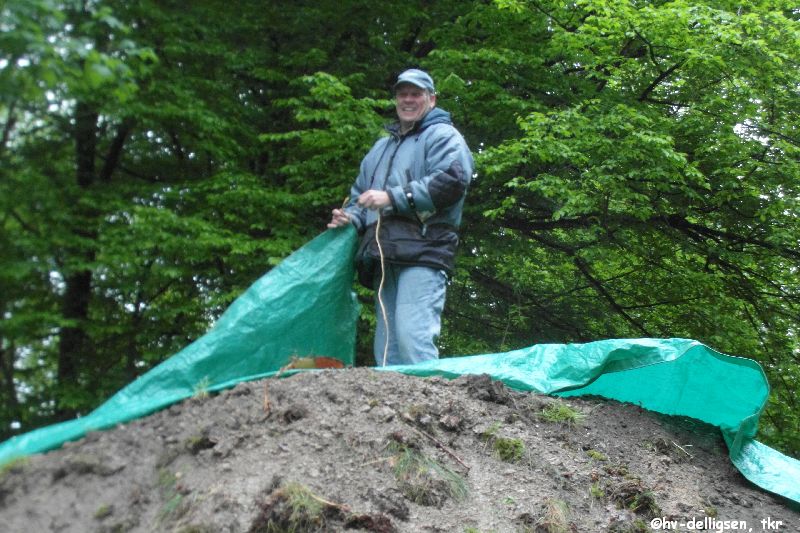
[426,173]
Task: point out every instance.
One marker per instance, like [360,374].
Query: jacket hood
[434,116]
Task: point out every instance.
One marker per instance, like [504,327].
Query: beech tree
[637,174]
[648,185]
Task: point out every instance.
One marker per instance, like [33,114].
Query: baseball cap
[415,77]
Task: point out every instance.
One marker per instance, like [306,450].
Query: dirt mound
[361,450]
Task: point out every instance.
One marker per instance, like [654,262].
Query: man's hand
[338,219]
[373,199]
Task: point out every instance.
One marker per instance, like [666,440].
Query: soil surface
[362,450]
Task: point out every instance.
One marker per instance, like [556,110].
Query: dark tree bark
[74,343]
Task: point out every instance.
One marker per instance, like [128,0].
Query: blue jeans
[414,298]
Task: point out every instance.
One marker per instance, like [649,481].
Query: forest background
[638,174]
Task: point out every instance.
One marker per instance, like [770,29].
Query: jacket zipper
[391,162]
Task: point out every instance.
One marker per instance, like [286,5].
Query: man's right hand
[340,218]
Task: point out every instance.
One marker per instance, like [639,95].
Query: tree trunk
[74,345]
[8,391]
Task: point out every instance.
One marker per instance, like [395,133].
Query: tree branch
[660,78]
[583,267]
[694,230]
[562,25]
[85,135]
[494,284]
[27,227]
[791,140]
[9,125]
[115,150]
[681,223]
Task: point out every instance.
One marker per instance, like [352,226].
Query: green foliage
[638,174]
[645,187]
[332,133]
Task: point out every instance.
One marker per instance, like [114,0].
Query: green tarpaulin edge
[305,306]
[679,377]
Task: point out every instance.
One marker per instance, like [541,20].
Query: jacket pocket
[407,242]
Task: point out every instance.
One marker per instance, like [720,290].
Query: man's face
[412,103]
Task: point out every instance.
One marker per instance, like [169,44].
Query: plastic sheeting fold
[305,306]
[680,377]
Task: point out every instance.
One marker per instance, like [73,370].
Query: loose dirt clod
[362,450]
[295,508]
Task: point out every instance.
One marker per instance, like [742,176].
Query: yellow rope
[380,290]
[380,286]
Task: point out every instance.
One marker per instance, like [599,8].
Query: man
[411,186]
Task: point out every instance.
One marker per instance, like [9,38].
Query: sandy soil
[361,450]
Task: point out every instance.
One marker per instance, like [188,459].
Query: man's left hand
[374,199]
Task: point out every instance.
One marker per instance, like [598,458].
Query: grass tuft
[597,456]
[423,480]
[555,518]
[509,450]
[562,413]
[13,466]
[293,508]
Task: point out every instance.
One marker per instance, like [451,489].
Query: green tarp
[671,376]
[306,307]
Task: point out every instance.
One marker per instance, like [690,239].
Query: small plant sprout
[490,432]
[633,495]
[200,390]
[293,508]
[174,505]
[645,503]
[103,511]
